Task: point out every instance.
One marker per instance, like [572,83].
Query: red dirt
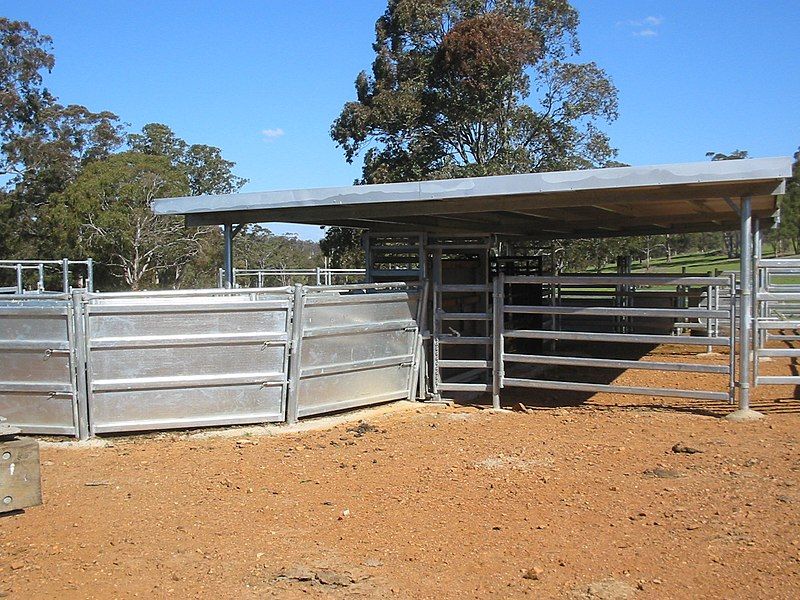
[436,502]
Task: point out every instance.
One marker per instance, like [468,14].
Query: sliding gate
[590,326]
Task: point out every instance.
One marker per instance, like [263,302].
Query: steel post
[65,274]
[80,353]
[744,412]
[40,281]
[292,397]
[20,285]
[90,274]
[497,337]
[227,233]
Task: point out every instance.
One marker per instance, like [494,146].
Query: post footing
[742,415]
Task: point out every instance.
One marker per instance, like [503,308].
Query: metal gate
[187,359]
[38,389]
[462,317]
[356,345]
[776,315]
[587,311]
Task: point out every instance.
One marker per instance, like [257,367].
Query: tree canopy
[476,87]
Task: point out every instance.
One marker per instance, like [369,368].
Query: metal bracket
[733,205]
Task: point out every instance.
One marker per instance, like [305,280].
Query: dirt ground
[575,498]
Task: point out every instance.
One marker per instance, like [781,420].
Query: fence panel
[356,349]
[601,319]
[776,316]
[38,390]
[161,361]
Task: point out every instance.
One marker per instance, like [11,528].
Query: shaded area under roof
[620,201]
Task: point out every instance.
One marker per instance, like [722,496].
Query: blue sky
[264,80]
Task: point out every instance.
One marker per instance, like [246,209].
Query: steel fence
[605,323]
[357,345]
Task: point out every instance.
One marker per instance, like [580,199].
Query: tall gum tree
[475,87]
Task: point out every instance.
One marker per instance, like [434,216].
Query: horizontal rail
[779,263]
[358,365]
[198,307]
[188,381]
[594,280]
[784,337]
[386,285]
[772,325]
[464,316]
[406,325]
[463,340]
[778,380]
[59,262]
[465,387]
[192,293]
[189,339]
[780,352]
[614,311]
[607,363]
[465,364]
[629,338]
[778,297]
[616,389]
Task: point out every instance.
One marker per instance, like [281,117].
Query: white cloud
[645,27]
[272,134]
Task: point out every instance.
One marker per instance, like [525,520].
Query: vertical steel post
[90,274]
[318,275]
[227,233]
[745,314]
[79,356]
[497,336]
[292,397]
[732,340]
[65,274]
[20,285]
[40,281]
[756,335]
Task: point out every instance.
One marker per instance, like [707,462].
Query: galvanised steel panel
[356,350]
[37,374]
[170,360]
[351,389]
[158,363]
[330,310]
[146,409]
[338,349]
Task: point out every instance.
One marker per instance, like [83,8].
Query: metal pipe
[65,275]
[90,274]
[745,312]
[40,281]
[497,337]
[292,396]
[80,358]
[20,286]
[227,232]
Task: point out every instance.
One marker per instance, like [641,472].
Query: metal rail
[621,328]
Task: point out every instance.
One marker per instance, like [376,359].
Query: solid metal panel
[38,411]
[37,387]
[178,366]
[356,350]
[330,350]
[356,388]
[113,363]
[145,409]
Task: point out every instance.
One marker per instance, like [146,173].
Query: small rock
[344,514]
[520,407]
[663,473]
[534,574]
[17,565]
[372,562]
[681,448]
[298,573]
[333,578]
[246,442]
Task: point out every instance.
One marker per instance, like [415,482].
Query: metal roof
[700,196]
